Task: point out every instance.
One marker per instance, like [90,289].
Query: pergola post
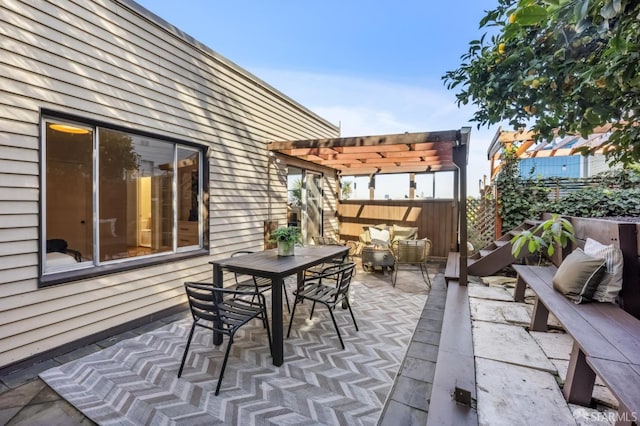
[372,186]
[456,207]
[412,186]
[460,158]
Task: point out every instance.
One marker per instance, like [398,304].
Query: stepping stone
[514,395]
[562,366]
[499,311]
[529,295]
[510,344]
[555,345]
[490,293]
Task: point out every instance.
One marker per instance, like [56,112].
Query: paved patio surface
[28,400]
[519,373]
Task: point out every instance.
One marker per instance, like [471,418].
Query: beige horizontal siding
[156,74]
[34,317]
[15,234]
[17,193]
[25,144]
[17,247]
[103,61]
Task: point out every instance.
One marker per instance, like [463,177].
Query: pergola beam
[396,153]
[382,140]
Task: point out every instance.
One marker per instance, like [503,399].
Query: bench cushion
[578,276]
[611,283]
[404,232]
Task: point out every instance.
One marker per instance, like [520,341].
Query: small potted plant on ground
[286,238]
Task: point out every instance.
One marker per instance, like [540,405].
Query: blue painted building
[568,166]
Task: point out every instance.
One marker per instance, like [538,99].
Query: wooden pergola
[424,152]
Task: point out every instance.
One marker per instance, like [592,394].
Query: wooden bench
[452,270]
[606,341]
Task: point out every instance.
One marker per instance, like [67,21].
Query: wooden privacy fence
[435,219]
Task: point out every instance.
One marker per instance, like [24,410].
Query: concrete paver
[555,345]
[506,375]
[491,293]
[499,311]
[514,395]
[510,344]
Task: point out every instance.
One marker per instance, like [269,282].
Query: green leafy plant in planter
[544,236]
[286,237]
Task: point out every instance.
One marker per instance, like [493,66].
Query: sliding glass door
[304,206]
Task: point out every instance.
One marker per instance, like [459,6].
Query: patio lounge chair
[313,289]
[217,309]
[412,252]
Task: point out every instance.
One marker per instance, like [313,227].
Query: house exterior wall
[114,62]
[598,164]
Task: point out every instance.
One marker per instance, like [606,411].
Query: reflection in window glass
[312,226]
[188,191]
[133,204]
[69,201]
[136,196]
[294,202]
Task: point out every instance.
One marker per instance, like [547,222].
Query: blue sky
[374,67]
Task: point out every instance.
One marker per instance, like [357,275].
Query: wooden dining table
[268,264]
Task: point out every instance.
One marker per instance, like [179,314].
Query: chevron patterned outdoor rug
[135,381]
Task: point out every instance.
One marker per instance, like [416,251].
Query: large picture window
[110,196]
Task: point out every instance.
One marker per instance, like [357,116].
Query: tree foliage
[615,193]
[518,199]
[347,189]
[295,194]
[568,66]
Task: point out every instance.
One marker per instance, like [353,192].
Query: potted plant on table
[286,238]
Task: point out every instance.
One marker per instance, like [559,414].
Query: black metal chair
[326,241]
[314,288]
[258,284]
[218,309]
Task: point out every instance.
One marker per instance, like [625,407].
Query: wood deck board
[452,270]
[455,366]
[621,378]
